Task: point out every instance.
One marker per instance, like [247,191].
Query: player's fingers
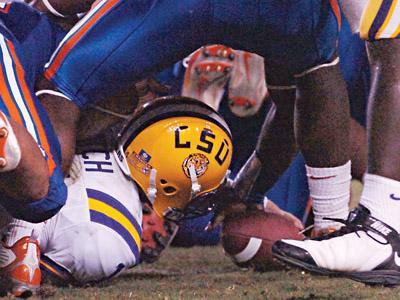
[294,220]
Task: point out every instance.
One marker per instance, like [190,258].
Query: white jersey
[97,233]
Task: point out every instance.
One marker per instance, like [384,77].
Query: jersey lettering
[103,166]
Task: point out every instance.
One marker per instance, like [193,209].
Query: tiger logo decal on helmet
[199,161]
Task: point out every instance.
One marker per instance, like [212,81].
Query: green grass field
[206,273]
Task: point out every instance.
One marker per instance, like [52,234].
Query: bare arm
[275,148]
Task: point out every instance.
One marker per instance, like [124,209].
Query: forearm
[274,151]
[276,144]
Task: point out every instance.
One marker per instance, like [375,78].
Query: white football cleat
[365,250]
[208,71]
[10,152]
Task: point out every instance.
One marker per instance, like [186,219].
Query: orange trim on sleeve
[8,100]
[66,48]
[32,108]
[6,8]
[336,10]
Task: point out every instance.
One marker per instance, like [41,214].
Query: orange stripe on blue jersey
[23,101]
[76,34]
[111,213]
[12,93]
[381,20]
[7,97]
[336,10]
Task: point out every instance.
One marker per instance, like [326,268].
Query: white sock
[330,193]
[381,196]
[16,230]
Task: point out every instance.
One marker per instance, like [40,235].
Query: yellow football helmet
[178,151]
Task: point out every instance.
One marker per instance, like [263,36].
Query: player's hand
[231,206]
[157,234]
[272,207]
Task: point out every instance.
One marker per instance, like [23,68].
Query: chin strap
[152,189]
[196,187]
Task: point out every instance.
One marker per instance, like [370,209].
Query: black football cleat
[365,249]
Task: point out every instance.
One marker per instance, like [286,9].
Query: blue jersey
[27,39]
[35,37]
[118,41]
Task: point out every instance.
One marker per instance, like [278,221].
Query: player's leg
[86,76]
[322,118]
[370,235]
[322,132]
[382,181]
[321,109]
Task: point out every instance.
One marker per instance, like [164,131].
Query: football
[248,238]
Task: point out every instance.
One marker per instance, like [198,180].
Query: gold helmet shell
[178,150]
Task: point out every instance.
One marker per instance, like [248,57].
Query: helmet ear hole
[163,181]
[169,190]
